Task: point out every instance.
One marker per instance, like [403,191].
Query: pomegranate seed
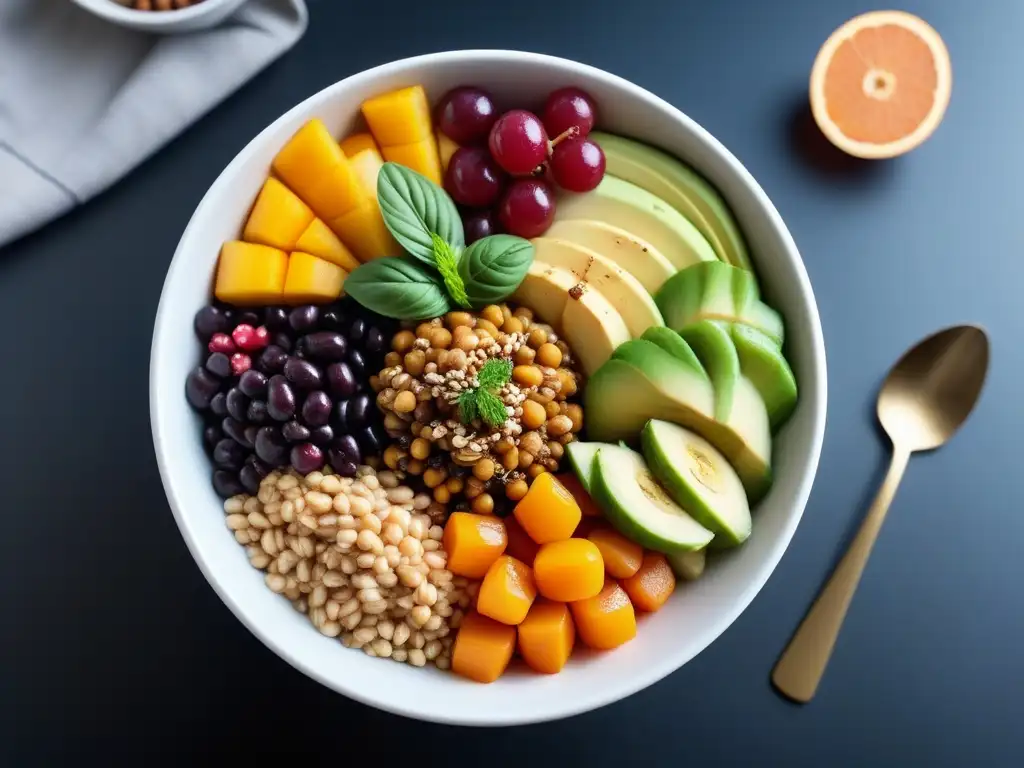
[240,363]
[221,342]
[243,336]
[261,337]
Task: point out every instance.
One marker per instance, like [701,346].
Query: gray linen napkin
[82,101]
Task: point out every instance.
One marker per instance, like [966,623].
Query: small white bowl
[199,16]
[695,615]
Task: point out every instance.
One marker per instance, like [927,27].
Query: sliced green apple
[763,363]
[714,348]
[688,565]
[581,456]
[673,343]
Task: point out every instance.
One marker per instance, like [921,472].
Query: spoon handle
[802,664]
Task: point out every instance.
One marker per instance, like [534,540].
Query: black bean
[357,330]
[249,478]
[345,446]
[219,404]
[250,433]
[212,434]
[228,454]
[370,440]
[341,416]
[326,345]
[238,404]
[374,340]
[226,484]
[276,319]
[236,432]
[200,387]
[294,432]
[253,383]
[340,380]
[219,364]
[282,340]
[322,436]
[345,468]
[302,373]
[333,318]
[208,321]
[257,413]
[246,317]
[261,467]
[316,409]
[271,446]
[358,363]
[271,360]
[306,458]
[304,318]
[301,349]
[280,398]
[358,411]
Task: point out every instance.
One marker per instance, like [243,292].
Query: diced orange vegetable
[546,636]
[572,484]
[652,585]
[367,165]
[311,280]
[507,591]
[445,149]
[319,240]
[250,274]
[621,556]
[399,117]
[483,648]
[520,545]
[548,512]
[606,620]
[358,142]
[569,570]
[364,232]
[421,156]
[473,543]
[315,168]
[278,217]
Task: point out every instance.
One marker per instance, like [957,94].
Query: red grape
[568,107]
[527,208]
[466,114]
[518,142]
[479,225]
[577,164]
[473,178]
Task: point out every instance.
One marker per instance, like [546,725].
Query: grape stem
[569,133]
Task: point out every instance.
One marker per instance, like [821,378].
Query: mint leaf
[414,209]
[495,374]
[491,409]
[447,265]
[468,409]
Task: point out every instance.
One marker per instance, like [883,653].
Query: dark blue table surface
[112,640]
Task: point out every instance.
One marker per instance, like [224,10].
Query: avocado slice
[635,504]
[673,343]
[714,348]
[688,565]
[636,210]
[622,290]
[680,186]
[619,400]
[635,255]
[581,456]
[716,291]
[763,363]
[699,479]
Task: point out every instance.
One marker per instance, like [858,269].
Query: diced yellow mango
[421,156]
[356,143]
[399,117]
[445,149]
[316,169]
[364,232]
[278,217]
[367,165]
[319,240]
[311,280]
[248,273]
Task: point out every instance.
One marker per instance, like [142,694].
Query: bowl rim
[113,11]
[657,669]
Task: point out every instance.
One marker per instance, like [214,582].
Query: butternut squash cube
[621,556]
[320,241]
[399,117]
[606,620]
[445,149]
[278,217]
[652,584]
[358,142]
[546,636]
[311,280]
[473,543]
[367,165]
[507,591]
[364,232]
[248,273]
[548,511]
[315,168]
[421,156]
[483,648]
[520,545]
[569,570]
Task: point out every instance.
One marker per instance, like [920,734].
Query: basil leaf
[396,287]
[414,208]
[493,267]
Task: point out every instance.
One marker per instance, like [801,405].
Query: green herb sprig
[439,272]
[481,401]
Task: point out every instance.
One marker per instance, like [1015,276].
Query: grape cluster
[287,386]
[507,166]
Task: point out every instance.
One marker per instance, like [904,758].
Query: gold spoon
[927,395]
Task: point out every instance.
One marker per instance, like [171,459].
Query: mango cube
[316,169]
[278,217]
[364,232]
[547,636]
[367,165]
[312,280]
[248,273]
[421,156]
[358,142]
[399,117]
[445,149]
[507,591]
[319,240]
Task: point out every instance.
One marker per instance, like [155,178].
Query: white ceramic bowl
[199,16]
[698,612]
